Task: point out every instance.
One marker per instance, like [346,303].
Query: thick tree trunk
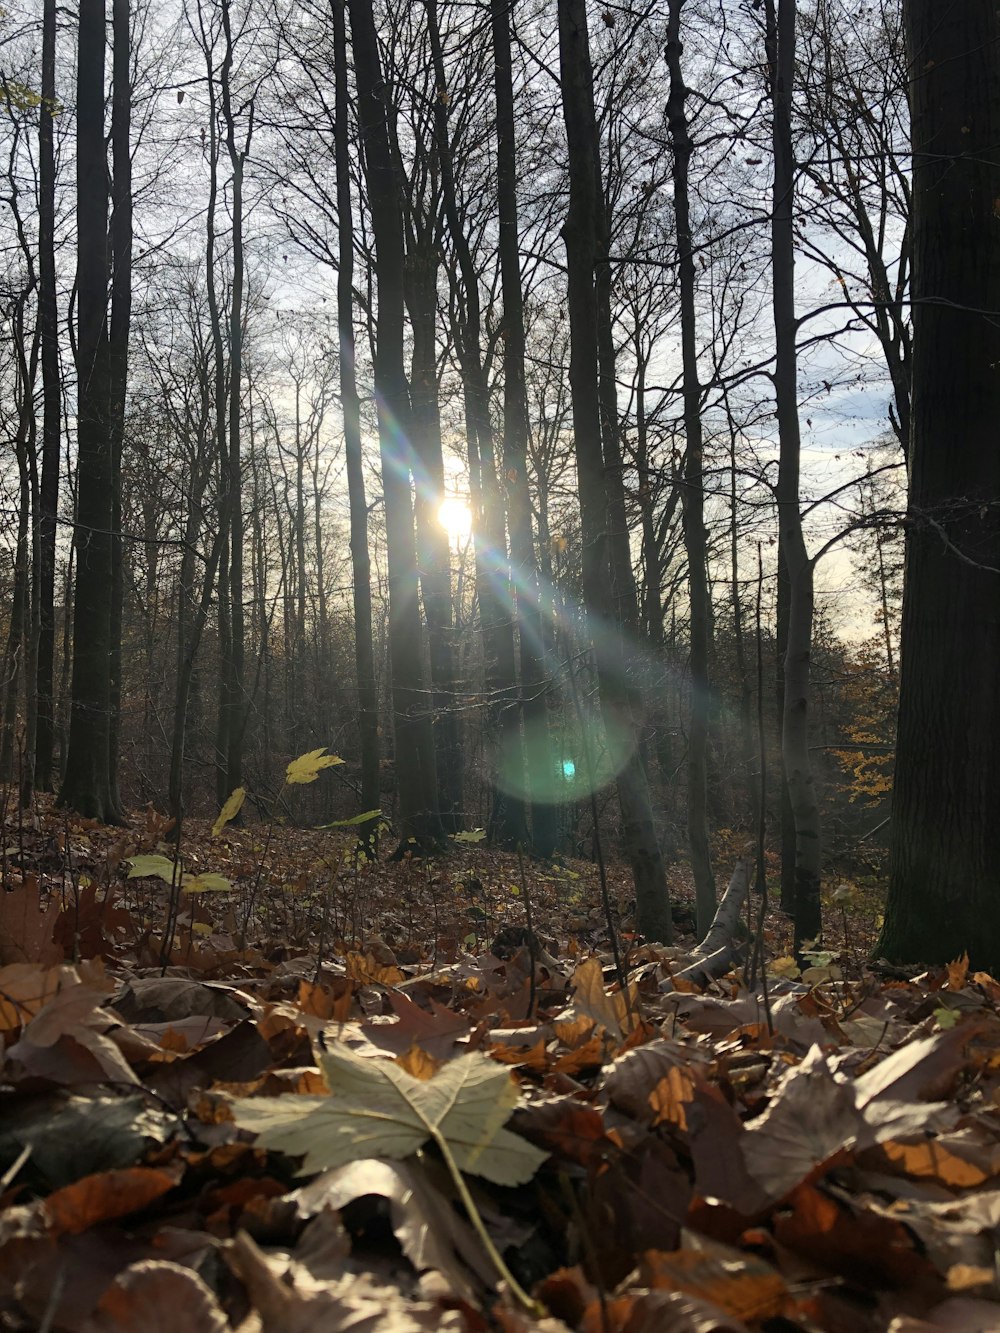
[87,785]
[507,823]
[414,740]
[48,327]
[945,844]
[364,655]
[694,490]
[524,566]
[121,318]
[581,236]
[795,719]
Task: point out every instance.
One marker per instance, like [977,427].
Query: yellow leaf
[307,767]
[208,883]
[230,810]
[784,967]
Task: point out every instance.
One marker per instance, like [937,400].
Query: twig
[532,942]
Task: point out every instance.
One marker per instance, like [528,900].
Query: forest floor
[361,1095]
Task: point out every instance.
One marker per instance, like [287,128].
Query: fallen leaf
[157,1296]
[108,1194]
[377,1109]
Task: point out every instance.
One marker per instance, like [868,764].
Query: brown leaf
[108,1194]
[671,1096]
[288,1300]
[741,1285]
[812,1118]
[332,1003]
[868,1249]
[958,971]
[25,988]
[430,1232]
[364,969]
[591,999]
[26,927]
[920,1070]
[632,1078]
[157,1296]
[658,1312]
[566,1127]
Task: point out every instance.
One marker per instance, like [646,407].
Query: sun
[455,517]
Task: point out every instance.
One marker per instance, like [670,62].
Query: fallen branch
[722,945]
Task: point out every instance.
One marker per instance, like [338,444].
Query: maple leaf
[377,1109]
[308,767]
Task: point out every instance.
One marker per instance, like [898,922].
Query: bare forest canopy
[525,404]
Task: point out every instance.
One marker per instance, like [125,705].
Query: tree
[796,564]
[89,785]
[945,843]
[414,741]
[48,327]
[582,256]
[694,488]
[527,591]
[360,558]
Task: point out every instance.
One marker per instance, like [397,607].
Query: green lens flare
[556,760]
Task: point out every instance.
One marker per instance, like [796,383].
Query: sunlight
[455,517]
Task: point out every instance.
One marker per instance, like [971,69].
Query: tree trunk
[48,327]
[694,490]
[795,718]
[121,317]
[945,845]
[539,755]
[414,740]
[507,823]
[433,553]
[87,785]
[581,237]
[234,705]
[364,655]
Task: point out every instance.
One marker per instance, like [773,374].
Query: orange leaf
[958,971]
[418,1063]
[670,1097]
[740,1284]
[105,1195]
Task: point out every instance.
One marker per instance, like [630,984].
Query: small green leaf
[946,1018]
[349,823]
[151,867]
[209,882]
[473,835]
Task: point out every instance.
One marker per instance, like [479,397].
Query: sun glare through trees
[479,478]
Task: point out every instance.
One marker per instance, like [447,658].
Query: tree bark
[780,51]
[539,755]
[694,489]
[581,237]
[414,741]
[48,327]
[87,786]
[364,655]
[507,823]
[945,842]
[121,318]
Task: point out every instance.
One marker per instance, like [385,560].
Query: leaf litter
[350,1094]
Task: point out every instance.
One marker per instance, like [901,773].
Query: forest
[481,477]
